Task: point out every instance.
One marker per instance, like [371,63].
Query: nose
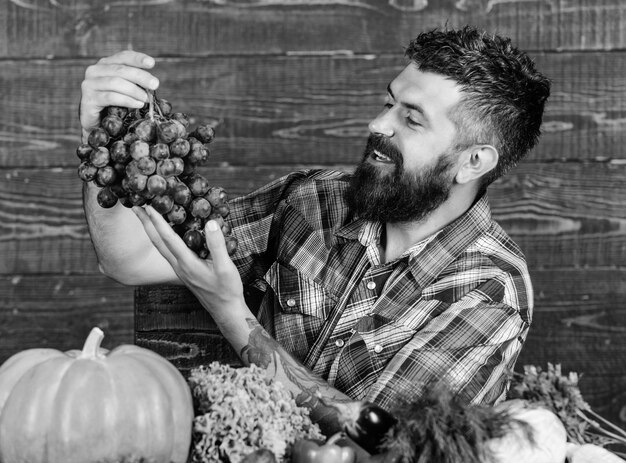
[382,124]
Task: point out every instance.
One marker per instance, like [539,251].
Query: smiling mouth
[378,156]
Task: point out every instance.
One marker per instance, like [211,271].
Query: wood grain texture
[282,110]
[58,311]
[69,28]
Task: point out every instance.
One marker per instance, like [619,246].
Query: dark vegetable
[365,423]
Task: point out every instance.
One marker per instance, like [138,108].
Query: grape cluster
[149,156]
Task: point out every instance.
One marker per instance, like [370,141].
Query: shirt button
[339,342]
[378,348]
[291,302]
[371,284]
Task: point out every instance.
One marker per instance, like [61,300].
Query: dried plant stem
[606,422]
[618,438]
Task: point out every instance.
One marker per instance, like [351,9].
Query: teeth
[381,157]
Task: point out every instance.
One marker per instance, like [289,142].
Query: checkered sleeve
[470,347]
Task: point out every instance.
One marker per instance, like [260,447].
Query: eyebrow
[414,107]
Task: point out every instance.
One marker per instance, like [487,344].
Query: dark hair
[503,94]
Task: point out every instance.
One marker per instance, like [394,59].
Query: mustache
[383,146]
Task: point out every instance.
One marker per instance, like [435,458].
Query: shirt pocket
[296,293]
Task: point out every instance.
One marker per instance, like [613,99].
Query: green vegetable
[241,410]
[439,427]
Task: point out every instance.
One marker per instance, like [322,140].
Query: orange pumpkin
[93,405]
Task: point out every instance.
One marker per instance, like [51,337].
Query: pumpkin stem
[92,344]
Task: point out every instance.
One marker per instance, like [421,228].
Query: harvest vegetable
[365,423]
[309,451]
[542,441]
[590,453]
[241,410]
[440,427]
[92,405]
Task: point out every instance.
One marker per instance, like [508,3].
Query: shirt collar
[435,252]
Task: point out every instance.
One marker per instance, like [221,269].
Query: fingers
[131,58]
[117,80]
[152,227]
[216,244]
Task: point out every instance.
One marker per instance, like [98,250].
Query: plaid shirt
[455,307]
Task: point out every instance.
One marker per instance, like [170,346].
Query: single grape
[204,133]
[113,125]
[106,176]
[181,117]
[181,194]
[98,137]
[177,215]
[166,168]
[223,209]
[137,182]
[83,151]
[200,207]
[87,172]
[156,184]
[139,149]
[119,152]
[118,111]
[198,184]
[146,165]
[194,240]
[216,196]
[162,203]
[100,157]
[146,130]
[180,147]
[160,151]
[106,198]
[170,130]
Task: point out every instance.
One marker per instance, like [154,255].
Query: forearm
[256,346]
[124,251]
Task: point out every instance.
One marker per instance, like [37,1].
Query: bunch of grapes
[149,156]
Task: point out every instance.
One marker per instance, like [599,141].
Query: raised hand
[215,281]
[117,80]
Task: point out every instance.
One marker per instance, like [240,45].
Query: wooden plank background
[292,84]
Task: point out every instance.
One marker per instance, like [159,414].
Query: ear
[476,162]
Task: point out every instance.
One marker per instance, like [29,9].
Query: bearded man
[374,283]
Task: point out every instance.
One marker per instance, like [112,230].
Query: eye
[412,122]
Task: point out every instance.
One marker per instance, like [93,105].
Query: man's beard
[398,196]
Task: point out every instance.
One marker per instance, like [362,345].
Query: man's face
[407,169]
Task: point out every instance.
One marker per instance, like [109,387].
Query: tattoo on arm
[266,352]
